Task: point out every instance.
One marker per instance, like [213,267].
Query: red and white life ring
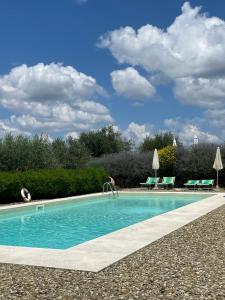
[25,195]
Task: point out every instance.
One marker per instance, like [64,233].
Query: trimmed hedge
[54,183]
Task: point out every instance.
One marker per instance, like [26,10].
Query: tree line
[21,153]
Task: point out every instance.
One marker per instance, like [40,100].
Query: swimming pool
[65,224]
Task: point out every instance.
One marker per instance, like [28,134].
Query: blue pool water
[68,223]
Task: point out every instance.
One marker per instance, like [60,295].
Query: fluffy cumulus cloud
[189,54]
[137,132]
[188,129]
[193,44]
[203,92]
[51,98]
[130,84]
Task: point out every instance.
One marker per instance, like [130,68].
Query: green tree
[77,154]
[167,158]
[104,141]
[60,150]
[159,141]
[42,156]
[14,152]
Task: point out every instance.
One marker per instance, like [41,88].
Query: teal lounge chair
[167,182]
[206,184]
[191,183]
[150,182]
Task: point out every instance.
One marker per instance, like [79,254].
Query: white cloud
[72,134]
[7,128]
[190,53]
[186,130]
[115,127]
[137,132]
[52,98]
[193,45]
[46,83]
[216,119]
[205,92]
[130,84]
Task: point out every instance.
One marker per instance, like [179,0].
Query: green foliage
[131,168]
[127,168]
[104,141]
[40,153]
[196,162]
[167,159]
[20,153]
[159,141]
[77,153]
[45,184]
[60,151]
[70,153]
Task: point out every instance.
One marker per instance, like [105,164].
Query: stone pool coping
[97,254]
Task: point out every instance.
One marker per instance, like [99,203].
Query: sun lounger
[150,182]
[206,184]
[167,182]
[191,184]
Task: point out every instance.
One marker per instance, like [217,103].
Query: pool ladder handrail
[108,186]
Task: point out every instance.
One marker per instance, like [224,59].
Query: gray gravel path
[186,264]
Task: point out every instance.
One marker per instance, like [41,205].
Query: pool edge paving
[97,254]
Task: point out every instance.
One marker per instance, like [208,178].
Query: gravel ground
[187,264]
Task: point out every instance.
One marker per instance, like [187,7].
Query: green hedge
[194,162]
[46,184]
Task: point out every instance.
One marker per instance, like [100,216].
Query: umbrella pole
[217,180]
[156,186]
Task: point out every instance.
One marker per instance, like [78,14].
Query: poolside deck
[188,263]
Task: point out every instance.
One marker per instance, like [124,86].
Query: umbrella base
[217,189]
[156,187]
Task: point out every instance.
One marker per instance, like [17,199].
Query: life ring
[25,195]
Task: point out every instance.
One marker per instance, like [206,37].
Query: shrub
[131,168]
[196,162]
[127,168]
[167,160]
[46,184]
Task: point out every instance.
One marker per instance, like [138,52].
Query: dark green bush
[131,168]
[46,184]
[127,168]
[196,162]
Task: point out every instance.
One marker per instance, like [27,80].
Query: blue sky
[143,66]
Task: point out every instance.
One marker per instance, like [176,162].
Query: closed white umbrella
[218,165]
[155,163]
[174,142]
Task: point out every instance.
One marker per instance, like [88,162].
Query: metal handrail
[108,185]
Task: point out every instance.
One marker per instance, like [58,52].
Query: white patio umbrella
[174,142]
[155,163]
[218,165]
